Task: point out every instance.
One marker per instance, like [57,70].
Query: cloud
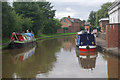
[68,9]
[76,8]
[64,14]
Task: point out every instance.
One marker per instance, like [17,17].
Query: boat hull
[82,51]
[87,48]
[18,44]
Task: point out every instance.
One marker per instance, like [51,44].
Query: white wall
[119,14]
[114,15]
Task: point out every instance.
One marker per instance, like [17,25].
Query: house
[87,25]
[113,28]
[103,22]
[71,24]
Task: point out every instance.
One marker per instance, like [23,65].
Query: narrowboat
[21,39]
[85,41]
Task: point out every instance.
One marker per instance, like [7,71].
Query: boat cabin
[21,37]
[86,39]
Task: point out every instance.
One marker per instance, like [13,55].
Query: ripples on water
[57,58]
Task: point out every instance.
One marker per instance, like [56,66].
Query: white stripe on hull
[84,47]
[92,56]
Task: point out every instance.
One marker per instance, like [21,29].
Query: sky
[76,8]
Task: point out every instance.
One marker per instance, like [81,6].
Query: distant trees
[101,13]
[92,18]
[38,16]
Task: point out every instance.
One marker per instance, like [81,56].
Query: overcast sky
[76,8]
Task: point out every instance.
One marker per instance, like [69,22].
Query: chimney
[69,17]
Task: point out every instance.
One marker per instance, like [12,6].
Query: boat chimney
[69,17]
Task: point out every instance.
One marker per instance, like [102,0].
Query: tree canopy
[92,18]
[101,13]
[37,16]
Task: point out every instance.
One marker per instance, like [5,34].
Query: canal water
[57,58]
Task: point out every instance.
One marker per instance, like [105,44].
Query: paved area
[101,43]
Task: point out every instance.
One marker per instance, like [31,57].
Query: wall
[103,24]
[59,30]
[112,35]
[114,15]
[67,23]
[75,27]
[119,15]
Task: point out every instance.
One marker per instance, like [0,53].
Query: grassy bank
[44,36]
[39,37]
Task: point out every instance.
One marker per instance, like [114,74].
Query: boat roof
[82,32]
[28,34]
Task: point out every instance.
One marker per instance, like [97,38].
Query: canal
[57,58]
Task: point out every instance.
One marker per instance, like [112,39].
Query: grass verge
[44,36]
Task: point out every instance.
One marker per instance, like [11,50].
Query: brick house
[113,28]
[72,24]
[103,22]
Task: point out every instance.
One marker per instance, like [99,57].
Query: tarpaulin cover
[28,34]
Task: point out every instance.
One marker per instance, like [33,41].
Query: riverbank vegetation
[35,16]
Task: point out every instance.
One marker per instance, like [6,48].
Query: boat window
[78,39]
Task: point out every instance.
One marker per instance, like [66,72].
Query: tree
[51,26]
[103,12]
[92,18]
[5,19]
[12,22]
[40,13]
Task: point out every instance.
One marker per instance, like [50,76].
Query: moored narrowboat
[85,41]
[21,39]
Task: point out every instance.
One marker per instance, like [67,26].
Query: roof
[114,4]
[104,19]
[74,20]
[87,23]
[28,34]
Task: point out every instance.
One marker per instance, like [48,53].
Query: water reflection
[22,56]
[67,43]
[113,65]
[86,59]
[56,58]
[17,63]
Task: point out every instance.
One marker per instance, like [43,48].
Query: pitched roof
[74,20]
[87,23]
[104,19]
[114,4]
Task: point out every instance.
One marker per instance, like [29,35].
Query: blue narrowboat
[85,41]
